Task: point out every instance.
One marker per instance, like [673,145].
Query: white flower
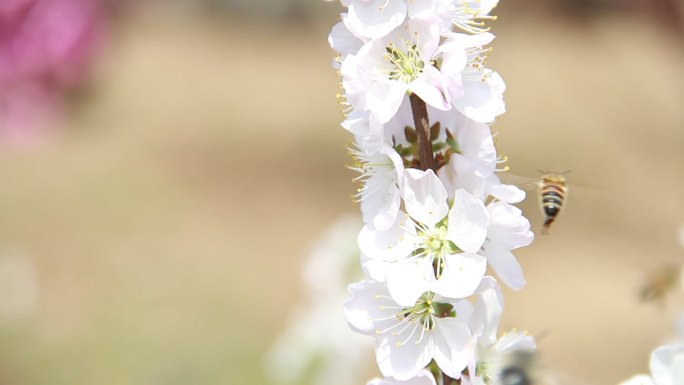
[667,368]
[380,196]
[433,250]
[424,377]
[508,230]
[386,69]
[373,19]
[407,338]
[478,91]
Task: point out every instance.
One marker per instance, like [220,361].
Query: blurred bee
[553,191]
[524,368]
[660,282]
[519,369]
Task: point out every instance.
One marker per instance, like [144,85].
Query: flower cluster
[419,99]
[45,46]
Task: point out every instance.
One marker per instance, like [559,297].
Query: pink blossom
[46,47]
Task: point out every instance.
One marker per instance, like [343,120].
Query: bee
[660,282]
[518,369]
[525,368]
[552,190]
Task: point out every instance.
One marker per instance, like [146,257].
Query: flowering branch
[422,124]
[436,215]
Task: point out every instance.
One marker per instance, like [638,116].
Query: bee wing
[523,182]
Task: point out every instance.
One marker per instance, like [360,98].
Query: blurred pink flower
[46,47]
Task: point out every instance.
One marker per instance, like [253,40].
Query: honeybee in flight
[553,192]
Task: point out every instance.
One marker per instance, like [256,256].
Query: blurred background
[166,165]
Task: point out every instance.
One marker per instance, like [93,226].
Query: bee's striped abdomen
[552,193]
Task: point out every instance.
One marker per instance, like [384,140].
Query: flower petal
[482,101]
[342,40]
[431,87]
[468,220]
[384,98]
[407,281]
[374,18]
[488,310]
[505,265]
[462,275]
[505,192]
[402,362]
[667,365]
[454,346]
[364,305]
[422,9]
[507,226]
[389,245]
[425,197]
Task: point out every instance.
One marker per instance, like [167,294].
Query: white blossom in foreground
[407,338]
[667,368]
[387,68]
[435,249]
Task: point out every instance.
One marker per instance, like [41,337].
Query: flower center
[406,65]
[435,245]
[415,322]
[425,311]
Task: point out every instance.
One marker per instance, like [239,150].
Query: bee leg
[547,224]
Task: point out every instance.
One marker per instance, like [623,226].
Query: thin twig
[422,123]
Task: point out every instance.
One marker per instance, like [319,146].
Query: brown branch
[422,123]
[446,380]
